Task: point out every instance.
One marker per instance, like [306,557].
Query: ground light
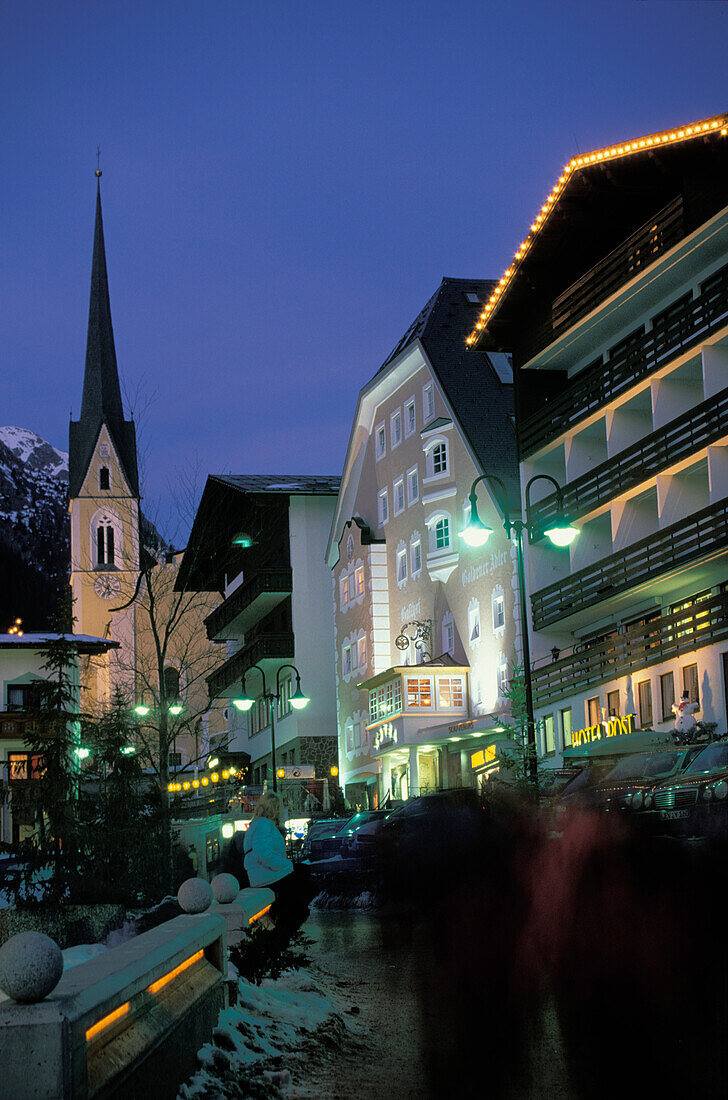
[561,533]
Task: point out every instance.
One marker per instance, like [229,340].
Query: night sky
[284,187]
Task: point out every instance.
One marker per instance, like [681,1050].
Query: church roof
[290,484]
[101,400]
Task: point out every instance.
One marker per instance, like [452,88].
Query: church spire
[101,391]
[101,399]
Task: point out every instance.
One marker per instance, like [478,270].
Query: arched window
[441,534]
[105,551]
[171,682]
[437,457]
[106,539]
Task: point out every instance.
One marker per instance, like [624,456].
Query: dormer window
[104,478]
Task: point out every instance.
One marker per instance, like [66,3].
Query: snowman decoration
[685,724]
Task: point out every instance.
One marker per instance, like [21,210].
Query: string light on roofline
[610,152]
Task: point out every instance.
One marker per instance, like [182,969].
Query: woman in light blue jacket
[268,865]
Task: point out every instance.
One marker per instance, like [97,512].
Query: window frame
[394,417]
[402,574]
[383,507]
[398,484]
[406,428]
[412,498]
[428,402]
[456,685]
[422,689]
[562,712]
[645,684]
[415,543]
[380,441]
[667,711]
[694,685]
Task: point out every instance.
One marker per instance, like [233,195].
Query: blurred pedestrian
[267,864]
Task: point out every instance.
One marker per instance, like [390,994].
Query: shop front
[610,740]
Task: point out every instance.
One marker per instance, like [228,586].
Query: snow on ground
[268,1022]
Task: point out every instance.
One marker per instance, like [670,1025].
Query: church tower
[104,491]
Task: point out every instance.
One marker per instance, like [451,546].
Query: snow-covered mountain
[34,530]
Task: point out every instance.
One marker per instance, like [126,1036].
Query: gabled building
[259,541]
[407,594]
[615,308]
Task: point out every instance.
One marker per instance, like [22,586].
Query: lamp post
[298,701]
[561,533]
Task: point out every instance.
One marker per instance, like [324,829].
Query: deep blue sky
[284,187]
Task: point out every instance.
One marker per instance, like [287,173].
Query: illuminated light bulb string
[717,125]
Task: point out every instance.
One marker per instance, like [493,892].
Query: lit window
[359,580]
[566,730]
[344,591]
[410,419]
[380,442]
[416,557]
[398,497]
[428,402]
[383,507]
[450,691]
[401,566]
[413,486]
[549,740]
[395,424]
[419,692]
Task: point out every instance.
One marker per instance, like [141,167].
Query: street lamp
[561,533]
[298,701]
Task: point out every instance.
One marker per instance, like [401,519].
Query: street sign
[297,771]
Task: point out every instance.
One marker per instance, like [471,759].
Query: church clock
[107,586]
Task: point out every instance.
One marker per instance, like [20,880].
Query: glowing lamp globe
[141,710]
[175,709]
[299,700]
[243,704]
[476,534]
[562,534]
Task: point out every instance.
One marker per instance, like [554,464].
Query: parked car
[363,842]
[341,841]
[693,803]
[317,829]
[636,774]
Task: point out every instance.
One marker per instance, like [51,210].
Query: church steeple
[101,399]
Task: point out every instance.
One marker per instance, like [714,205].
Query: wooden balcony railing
[682,437]
[15,724]
[686,323]
[633,255]
[705,621]
[695,537]
[266,581]
[264,646]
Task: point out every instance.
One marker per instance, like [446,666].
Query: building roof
[101,399]
[471,381]
[288,484]
[592,170]
[84,643]
[226,504]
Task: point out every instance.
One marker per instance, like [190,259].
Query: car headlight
[648,801]
[708,794]
[720,790]
[637,800]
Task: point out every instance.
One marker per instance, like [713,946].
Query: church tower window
[104,478]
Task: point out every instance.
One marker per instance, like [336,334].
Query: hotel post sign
[610,727]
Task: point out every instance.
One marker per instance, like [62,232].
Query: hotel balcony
[683,325]
[701,536]
[267,650]
[703,622]
[683,437]
[606,277]
[249,603]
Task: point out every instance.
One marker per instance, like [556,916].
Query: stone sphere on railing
[31,965]
[225,888]
[195,895]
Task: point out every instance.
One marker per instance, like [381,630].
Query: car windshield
[651,765]
[713,756]
[355,821]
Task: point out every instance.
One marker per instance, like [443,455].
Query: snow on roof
[38,641]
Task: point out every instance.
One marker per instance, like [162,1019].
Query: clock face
[107,586]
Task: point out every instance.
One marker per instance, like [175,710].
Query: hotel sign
[611,727]
[385,735]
